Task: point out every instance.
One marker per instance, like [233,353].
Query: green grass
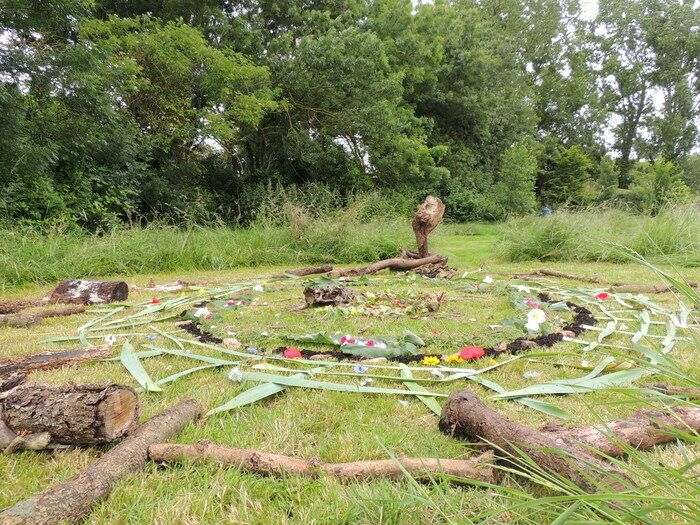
[336,426]
[672,236]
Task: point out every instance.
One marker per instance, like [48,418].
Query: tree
[655,185]
[608,177]
[565,180]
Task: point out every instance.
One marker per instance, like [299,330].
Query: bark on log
[555,273]
[71,501]
[645,288]
[307,270]
[52,359]
[397,264]
[670,390]
[78,415]
[266,464]
[24,319]
[12,307]
[466,416]
[89,292]
[327,295]
[425,220]
[642,430]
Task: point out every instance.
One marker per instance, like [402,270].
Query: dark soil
[201,335]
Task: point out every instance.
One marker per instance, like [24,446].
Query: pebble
[233,344]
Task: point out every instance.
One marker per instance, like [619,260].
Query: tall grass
[673,235]
[287,234]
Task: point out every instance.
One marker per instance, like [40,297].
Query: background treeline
[117,111]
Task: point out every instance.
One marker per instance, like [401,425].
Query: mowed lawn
[331,425]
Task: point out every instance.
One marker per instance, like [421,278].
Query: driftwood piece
[71,501]
[645,288]
[425,220]
[24,319]
[325,295]
[78,291]
[466,416]
[301,272]
[78,415]
[23,364]
[266,464]
[397,264]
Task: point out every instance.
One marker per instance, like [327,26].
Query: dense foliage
[118,111]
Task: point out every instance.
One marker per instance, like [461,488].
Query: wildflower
[155,300]
[471,352]
[602,296]
[585,363]
[532,303]
[366,381]
[536,316]
[379,344]
[236,375]
[202,312]
[292,353]
[453,358]
[347,338]
[258,288]
[430,360]
[111,339]
[533,326]
[151,336]
[435,332]
[403,403]
[360,369]
[370,343]
[252,350]
[523,288]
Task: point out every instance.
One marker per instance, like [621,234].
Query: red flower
[602,296]
[435,332]
[155,300]
[471,352]
[531,303]
[370,343]
[292,353]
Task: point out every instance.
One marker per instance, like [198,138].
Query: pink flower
[292,353]
[471,352]
[231,303]
[602,296]
[435,332]
[531,303]
[155,300]
[370,343]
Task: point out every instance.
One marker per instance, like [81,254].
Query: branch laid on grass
[307,270]
[466,416]
[267,464]
[396,264]
[71,501]
[24,319]
[12,307]
[556,273]
[678,391]
[22,364]
[646,288]
[78,415]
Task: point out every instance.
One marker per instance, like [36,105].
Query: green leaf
[178,375]
[132,363]
[430,402]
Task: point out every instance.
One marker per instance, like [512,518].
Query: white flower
[584,363]
[202,312]
[532,325]
[488,279]
[111,339]
[366,381]
[531,374]
[264,334]
[523,288]
[379,344]
[403,403]
[258,288]
[236,375]
[536,316]
[623,326]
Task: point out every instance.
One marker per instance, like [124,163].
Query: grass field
[338,426]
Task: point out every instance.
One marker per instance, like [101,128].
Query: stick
[24,319]
[12,307]
[267,464]
[307,270]
[466,416]
[678,391]
[645,288]
[556,273]
[71,501]
[396,264]
[22,364]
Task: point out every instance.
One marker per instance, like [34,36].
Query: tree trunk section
[78,415]
[425,220]
[71,501]
[24,364]
[466,416]
[266,464]
[89,292]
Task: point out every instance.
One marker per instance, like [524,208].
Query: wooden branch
[396,264]
[24,319]
[12,307]
[555,273]
[466,416]
[89,292]
[23,364]
[267,464]
[71,501]
[678,391]
[78,415]
[425,220]
[307,270]
[645,288]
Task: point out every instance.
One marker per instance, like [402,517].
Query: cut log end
[119,411]
[89,292]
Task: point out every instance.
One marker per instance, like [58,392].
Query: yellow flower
[430,361]
[454,358]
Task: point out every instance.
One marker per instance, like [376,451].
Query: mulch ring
[583,316]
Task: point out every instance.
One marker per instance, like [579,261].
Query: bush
[657,185]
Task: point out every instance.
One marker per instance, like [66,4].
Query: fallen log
[71,501]
[555,273]
[397,264]
[466,416]
[301,272]
[78,291]
[425,220]
[645,288]
[266,464]
[12,307]
[23,364]
[76,415]
[24,319]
